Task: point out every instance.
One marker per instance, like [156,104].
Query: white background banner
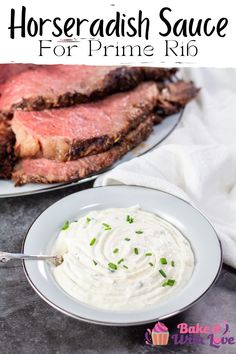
[157,33]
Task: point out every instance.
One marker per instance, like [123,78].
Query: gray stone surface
[29,325]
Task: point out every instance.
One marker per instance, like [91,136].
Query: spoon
[5,257]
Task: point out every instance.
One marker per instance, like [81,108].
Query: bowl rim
[119,324]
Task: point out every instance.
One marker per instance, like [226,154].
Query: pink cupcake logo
[159,335]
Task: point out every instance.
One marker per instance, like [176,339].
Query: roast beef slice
[56,86]
[86,129]
[69,133]
[49,171]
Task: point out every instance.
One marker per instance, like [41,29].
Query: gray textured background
[29,325]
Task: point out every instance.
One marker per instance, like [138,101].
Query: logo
[217,335]
[158,336]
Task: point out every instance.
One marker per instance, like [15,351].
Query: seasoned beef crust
[7,157]
[175,96]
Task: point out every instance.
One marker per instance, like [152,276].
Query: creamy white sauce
[88,246]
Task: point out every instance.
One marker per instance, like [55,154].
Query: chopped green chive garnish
[148,254]
[92,242]
[162,273]
[95,263]
[151,264]
[136,250]
[125,266]
[120,261]
[66,225]
[112,266]
[163,261]
[88,220]
[139,232]
[169,282]
[127,239]
[129,219]
[106,227]
[172,263]
[116,250]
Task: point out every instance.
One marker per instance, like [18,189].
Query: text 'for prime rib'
[94,47]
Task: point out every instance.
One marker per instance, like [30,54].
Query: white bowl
[194,226]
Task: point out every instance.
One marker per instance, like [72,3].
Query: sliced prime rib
[65,85]
[7,157]
[174,96]
[69,133]
[9,70]
[49,171]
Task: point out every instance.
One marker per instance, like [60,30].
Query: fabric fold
[197,162]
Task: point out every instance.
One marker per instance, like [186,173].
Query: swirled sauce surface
[122,258]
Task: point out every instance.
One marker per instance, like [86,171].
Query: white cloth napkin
[197,162]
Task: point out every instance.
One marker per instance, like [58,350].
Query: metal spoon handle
[5,257]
